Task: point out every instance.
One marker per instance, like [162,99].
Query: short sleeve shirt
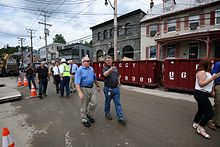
[85,76]
[112,79]
[42,72]
[215,70]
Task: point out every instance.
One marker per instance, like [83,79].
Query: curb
[10,98]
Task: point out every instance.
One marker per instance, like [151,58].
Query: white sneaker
[195,125]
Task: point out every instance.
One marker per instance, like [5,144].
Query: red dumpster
[95,67]
[180,74]
[149,72]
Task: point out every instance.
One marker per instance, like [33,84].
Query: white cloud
[13,21]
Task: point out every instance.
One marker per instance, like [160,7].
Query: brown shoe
[211,125]
[217,126]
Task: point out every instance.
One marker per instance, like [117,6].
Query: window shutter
[178,24]
[147,30]
[212,18]
[186,22]
[158,27]
[147,52]
[202,20]
[165,26]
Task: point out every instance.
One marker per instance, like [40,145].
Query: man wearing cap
[84,80]
[42,76]
[73,69]
[64,78]
[112,90]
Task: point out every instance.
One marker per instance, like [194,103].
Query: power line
[74,16]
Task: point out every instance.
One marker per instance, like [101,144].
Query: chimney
[151,4]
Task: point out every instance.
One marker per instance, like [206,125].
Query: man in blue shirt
[73,69]
[216,118]
[84,79]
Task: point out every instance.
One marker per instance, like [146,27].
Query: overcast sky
[71,18]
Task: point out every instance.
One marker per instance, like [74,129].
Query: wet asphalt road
[151,122]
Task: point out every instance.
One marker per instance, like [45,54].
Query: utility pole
[21,39]
[115,31]
[115,8]
[46,31]
[31,37]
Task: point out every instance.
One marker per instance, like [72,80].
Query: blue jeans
[65,82]
[31,79]
[43,86]
[115,95]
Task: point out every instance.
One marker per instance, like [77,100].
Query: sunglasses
[87,61]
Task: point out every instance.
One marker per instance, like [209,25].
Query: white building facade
[181,29]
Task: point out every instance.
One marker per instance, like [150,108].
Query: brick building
[129,37]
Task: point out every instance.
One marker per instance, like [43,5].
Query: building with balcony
[181,29]
[129,37]
[75,51]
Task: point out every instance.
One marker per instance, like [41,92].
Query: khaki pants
[216,117]
[72,77]
[88,103]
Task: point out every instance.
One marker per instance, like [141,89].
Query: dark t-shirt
[42,72]
[30,71]
[112,79]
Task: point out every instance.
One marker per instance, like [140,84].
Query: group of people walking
[207,84]
[68,77]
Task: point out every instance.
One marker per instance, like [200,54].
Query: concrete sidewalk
[9,91]
[164,94]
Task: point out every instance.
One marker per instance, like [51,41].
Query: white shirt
[207,88]
[61,67]
[56,70]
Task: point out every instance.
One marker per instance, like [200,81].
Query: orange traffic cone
[25,81]
[19,82]
[33,91]
[6,138]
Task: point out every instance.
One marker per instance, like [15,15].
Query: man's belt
[112,87]
[87,86]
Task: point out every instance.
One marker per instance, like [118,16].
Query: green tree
[59,39]
[86,43]
[8,50]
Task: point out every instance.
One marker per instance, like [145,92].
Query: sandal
[202,132]
[195,125]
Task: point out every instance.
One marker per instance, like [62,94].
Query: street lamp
[115,25]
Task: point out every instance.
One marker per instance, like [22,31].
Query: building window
[194,22]
[128,28]
[153,30]
[217,18]
[105,34]
[171,49]
[99,36]
[82,53]
[87,52]
[171,26]
[153,51]
[111,33]
[167,5]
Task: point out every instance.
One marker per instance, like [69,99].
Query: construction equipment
[9,65]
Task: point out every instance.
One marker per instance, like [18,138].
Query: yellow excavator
[9,64]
